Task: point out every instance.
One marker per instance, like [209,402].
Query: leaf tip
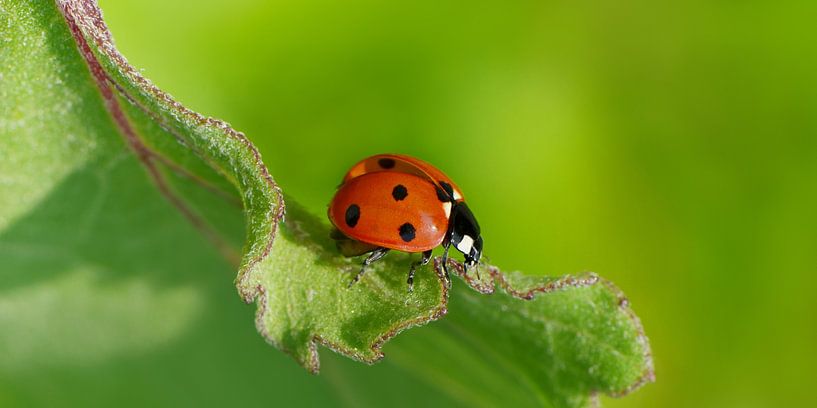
[648,373]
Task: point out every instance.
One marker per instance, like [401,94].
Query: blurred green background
[671,148]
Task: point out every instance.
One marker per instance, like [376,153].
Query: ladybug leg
[414,265]
[475,268]
[445,265]
[373,256]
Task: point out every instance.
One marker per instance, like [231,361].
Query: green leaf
[538,341]
[100,169]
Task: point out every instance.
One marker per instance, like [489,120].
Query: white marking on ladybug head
[457,195]
[447,209]
[465,245]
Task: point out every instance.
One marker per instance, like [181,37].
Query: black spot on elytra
[407,232]
[399,192]
[352,215]
[442,195]
[386,163]
[447,188]
[446,193]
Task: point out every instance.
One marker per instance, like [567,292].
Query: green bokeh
[671,149]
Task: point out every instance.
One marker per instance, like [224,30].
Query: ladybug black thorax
[464,233]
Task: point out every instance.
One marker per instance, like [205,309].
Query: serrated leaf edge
[313,362]
[497,278]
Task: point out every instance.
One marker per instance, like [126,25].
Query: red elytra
[397,202]
[402,164]
[372,208]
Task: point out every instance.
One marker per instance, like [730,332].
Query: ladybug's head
[465,234]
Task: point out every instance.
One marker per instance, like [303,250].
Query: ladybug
[397,202]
